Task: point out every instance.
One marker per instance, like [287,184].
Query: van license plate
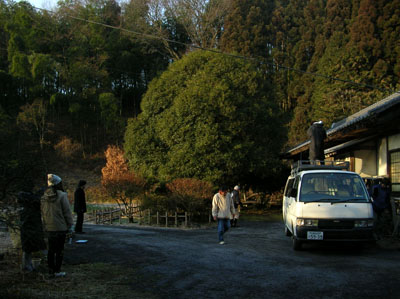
[315,235]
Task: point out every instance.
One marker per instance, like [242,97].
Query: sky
[46,4]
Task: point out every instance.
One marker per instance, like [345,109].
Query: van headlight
[364,223]
[307,222]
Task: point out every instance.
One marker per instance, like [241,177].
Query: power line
[151,36]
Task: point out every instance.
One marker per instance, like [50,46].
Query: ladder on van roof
[302,165]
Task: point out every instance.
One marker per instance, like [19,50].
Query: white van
[326,203]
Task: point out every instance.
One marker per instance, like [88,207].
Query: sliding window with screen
[395,171]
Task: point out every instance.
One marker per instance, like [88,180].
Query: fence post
[158,218]
[176,219]
[111,214]
[149,217]
[186,219]
[120,214]
[166,219]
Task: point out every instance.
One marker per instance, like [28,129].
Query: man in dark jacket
[381,196]
[32,236]
[317,135]
[79,206]
[381,205]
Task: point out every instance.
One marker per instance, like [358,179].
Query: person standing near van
[57,221]
[381,205]
[317,135]
[222,211]
[80,206]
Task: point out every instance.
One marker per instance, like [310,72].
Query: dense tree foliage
[89,63]
[210,117]
[340,56]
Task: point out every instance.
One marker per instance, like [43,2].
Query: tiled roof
[373,109]
[378,107]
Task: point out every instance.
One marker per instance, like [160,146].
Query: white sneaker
[60,274]
[221,243]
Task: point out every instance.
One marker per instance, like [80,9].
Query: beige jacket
[56,213]
[222,206]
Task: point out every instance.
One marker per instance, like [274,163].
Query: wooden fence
[109,216]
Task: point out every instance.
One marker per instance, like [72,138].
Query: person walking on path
[32,236]
[222,211]
[80,206]
[317,135]
[237,204]
[57,221]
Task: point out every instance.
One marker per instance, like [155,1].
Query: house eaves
[367,112]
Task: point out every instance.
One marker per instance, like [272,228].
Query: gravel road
[257,261]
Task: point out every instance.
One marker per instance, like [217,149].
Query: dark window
[332,187]
[289,187]
[295,187]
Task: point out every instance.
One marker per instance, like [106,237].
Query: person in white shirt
[222,211]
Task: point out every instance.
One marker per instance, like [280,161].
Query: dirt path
[256,262]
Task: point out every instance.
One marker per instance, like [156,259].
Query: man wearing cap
[79,206]
[222,210]
[237,204]
[57,221]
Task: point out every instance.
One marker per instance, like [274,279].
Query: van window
[289,187]
[331,187]
[295,187]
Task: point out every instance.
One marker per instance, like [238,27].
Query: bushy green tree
[209,117]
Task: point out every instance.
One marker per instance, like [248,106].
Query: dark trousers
[79,223]
[55,253]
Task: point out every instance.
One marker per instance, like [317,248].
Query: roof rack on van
[302,165]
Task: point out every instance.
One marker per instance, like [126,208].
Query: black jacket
[79,201]
[32,236]
[236,199]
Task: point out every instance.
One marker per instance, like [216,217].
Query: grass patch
[98,280]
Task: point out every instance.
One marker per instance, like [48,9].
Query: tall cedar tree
[246,28]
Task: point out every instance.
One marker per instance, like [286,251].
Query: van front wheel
[288,233]
[296,243]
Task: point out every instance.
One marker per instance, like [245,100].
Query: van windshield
[333,187]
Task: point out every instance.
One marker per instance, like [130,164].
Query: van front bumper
[354,234]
